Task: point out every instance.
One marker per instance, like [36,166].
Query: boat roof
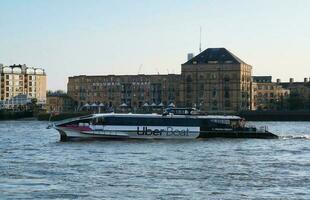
[160,116]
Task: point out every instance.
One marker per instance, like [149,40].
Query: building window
[212,61]
[214,93]
[214,105]
[201,89]
[226,78]
[189,78]
[226,94]
[227,103]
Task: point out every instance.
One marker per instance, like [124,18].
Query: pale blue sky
[72,37]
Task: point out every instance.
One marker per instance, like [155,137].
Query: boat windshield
[98,121]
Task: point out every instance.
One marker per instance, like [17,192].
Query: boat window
[76,122]
[220,121]
[242,123]
[234,123]
[98,121]
[83,124]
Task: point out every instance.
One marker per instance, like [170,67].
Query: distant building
[268,95]
[21,81]
[299,92]
[132,92]
[216,81]
[60,103]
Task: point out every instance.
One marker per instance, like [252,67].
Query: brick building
[59,103]
[299,93]
[133,92]
[217,81]
[268,95]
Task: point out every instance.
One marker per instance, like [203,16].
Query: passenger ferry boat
[173,124]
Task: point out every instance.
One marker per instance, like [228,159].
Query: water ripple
[35,165]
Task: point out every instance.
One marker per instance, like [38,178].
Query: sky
[100,37]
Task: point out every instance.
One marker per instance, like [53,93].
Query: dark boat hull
[238,134]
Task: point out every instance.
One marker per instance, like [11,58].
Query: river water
[34,164]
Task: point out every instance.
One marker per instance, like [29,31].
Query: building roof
[262,79]
[294,84]
[213,56]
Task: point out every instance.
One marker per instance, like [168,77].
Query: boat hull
[145,132]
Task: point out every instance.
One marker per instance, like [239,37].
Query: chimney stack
[306,80]
[291,80]
[278,80]
[190,56]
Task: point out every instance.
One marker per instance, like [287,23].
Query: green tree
[296,101]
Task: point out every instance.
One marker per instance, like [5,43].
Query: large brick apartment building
[130,91]
[216,81]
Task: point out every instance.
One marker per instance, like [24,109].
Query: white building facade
[20,84]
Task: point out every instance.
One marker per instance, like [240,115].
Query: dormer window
[195,62]
[212,61]
[228,61]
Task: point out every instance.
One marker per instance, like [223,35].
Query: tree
[296,101]
[34,101]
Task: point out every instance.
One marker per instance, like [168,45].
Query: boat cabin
[182,111]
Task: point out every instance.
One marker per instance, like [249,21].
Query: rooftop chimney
[306,80]
[291,80]
[278,80]
[190,56]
